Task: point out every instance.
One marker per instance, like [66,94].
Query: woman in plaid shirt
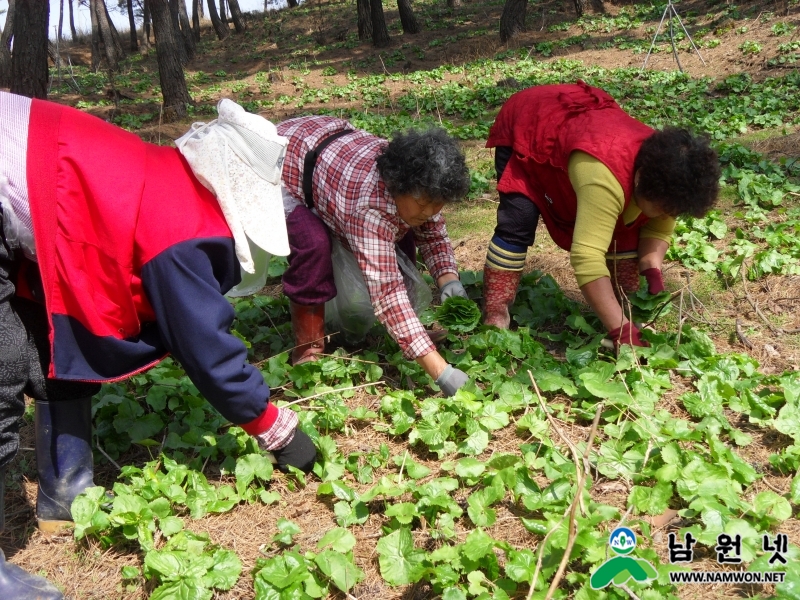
[370,195]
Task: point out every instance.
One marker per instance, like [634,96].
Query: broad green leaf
[492,418]
[411,468]
[478,544]
[404,512]
[794,490]
[341,570]
[338,539]
[469,468]
[185,589]
[145,427]
[286,532]
[454,593]
[651,500]
[475,444]
[521,565]
[249,467]
[772,506]
[399,561]
[169,526]
[225,572]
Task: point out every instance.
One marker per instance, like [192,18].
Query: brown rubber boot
[308,325]
[499,291]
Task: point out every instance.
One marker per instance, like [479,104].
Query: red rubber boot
[499,291]
[308,325]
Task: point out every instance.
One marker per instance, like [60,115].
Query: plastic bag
[350,312]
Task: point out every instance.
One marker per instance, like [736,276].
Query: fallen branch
[541,548]
[327,337]
[347,389]
[630,592]
[572,447]
[680,323]
[103,452]
[573,530]
[742,337]
[754,304]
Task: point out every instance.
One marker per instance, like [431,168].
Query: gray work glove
[451,380]
[452,288]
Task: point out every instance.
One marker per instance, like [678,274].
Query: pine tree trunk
[219,27]
[146,25]
[236,16]
[364,20]
[512,21]
[61,21]
[293,3]
[29,72]
[183,56]
[97,53]
[380,34]
[170,71]
[196,6]
[105,38]
[186,30]
[116,40]
[5,46]
[453,3]
[132,21]
[407,18]
[8,30]
[223,16]
[72,29]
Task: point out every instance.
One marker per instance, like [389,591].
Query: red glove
[627,334]
[655,282]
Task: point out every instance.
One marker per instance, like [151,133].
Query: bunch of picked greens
[459,315]
[646,307]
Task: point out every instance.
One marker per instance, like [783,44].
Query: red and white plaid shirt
[353,202]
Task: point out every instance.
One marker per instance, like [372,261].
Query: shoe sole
[54,527]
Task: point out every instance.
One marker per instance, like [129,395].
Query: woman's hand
[446,376]
[651,259]
[600,296]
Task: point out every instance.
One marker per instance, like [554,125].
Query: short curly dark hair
[678,171]
[427,163]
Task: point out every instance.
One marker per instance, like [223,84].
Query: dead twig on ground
[336,391]
[742,337]
[680,323]
[573,529]
[103,452]
[754,304]
[572,447]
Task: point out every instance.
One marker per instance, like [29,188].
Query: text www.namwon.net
[676,577]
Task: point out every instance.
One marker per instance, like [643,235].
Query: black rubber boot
[63,459]
[15,582]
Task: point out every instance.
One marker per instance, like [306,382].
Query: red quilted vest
[544,125]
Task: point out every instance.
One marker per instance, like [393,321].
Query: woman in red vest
[112,256]
[608,188]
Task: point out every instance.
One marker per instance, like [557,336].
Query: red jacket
[135,256]
[544,125]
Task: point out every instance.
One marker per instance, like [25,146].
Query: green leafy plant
[460,315]
[750,47]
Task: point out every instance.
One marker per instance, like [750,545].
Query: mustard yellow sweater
[600,203]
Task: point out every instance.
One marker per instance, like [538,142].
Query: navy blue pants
[517,215]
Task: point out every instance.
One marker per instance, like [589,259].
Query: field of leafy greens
[480,496]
